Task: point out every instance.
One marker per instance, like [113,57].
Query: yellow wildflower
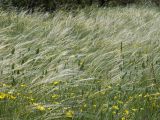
[123,118]
[126,112]
[40,107]
[69,114]
[23,85]
[56,83]
[115,107]
[2,96]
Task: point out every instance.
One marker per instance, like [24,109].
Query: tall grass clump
[90,64]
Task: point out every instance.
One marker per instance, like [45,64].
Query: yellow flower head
[6,96]
[115,107]
[126,112]
[69,114]
[2,96]
[123,118]
[56,83]
[23,85]
[40,107]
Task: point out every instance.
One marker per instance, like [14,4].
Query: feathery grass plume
[70,65]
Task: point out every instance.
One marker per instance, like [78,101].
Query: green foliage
[53,4]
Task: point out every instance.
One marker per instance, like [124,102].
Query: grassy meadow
[87,64]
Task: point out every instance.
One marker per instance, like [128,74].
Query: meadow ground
[86,64]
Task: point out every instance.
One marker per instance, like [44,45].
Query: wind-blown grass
[89,64]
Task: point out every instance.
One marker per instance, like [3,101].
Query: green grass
[89,64]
